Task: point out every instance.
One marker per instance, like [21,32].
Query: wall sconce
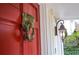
[61,29]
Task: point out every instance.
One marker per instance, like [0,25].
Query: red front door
[11,38]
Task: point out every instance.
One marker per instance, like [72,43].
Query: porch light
[61,29]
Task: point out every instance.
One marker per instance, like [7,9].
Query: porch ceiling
[67,10]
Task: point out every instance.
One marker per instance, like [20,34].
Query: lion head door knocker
[28,26]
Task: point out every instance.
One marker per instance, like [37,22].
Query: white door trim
[46,27]
[43,29]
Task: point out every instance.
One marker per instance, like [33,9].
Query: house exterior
[29,28]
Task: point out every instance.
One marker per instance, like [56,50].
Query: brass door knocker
[28,26]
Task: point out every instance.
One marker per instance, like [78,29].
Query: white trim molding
[43,29]
[47,24]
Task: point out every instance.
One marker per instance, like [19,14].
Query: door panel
[32,47]
[9,12]
[10,36]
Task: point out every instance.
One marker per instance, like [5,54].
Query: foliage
[71,51]
[71,40]
[71,44]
